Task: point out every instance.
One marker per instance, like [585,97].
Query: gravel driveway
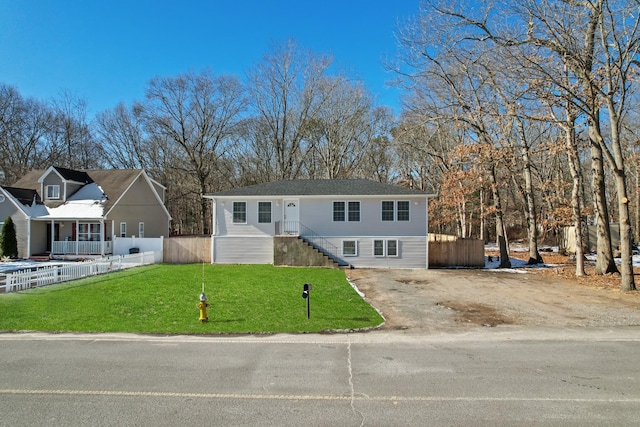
[458,300]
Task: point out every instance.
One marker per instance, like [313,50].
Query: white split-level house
[357,222]
[61,211]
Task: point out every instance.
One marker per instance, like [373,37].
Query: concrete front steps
[295,251]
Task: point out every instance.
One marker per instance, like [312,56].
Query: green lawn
[162,299]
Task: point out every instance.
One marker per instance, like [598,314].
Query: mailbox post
[306,290]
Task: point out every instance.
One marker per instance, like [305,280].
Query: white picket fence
[50,274]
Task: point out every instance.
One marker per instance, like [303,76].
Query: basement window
[349,248]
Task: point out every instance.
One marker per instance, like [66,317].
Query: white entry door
[291,216]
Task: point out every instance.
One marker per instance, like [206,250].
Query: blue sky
[106,51]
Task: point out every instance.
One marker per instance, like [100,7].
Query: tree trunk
[626,237]
[505,262]
[574,167]
[604,261]
[626,234]
[532,224]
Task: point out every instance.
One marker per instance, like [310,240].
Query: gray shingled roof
[321,187]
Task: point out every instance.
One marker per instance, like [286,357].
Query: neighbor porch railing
[72,247]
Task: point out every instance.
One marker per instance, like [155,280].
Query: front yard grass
[162,299]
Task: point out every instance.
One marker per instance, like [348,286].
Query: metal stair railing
[319,242]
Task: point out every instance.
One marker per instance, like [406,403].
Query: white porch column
[102,230]
[77,242]
[53,234]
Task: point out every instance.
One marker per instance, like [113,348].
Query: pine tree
[9,242]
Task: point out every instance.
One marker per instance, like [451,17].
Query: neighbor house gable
[118,183]
[13,201]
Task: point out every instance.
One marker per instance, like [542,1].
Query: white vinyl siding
[243,250]
[411,252]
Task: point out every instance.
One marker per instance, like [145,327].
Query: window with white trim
[346,211]
[385,248]
[264,212]
[349,248]
[395,210]
[239,212]
[378,248]
[388,210]
[354,211]
[53,191]
[403,210]
[141,229]
[392,248]
[123,229]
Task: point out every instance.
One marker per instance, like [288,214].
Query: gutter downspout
[29,239]
[426,199]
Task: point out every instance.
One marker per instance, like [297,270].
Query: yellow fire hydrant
[202,306]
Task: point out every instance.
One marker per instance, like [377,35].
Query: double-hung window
[53,192]
[123,229]
[346,211]
[239,212]
[264,212]
[349,248]
[403,210]
[395,210]
[385,248]
[388,210]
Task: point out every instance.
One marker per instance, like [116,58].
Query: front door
[291,216]
[56,235]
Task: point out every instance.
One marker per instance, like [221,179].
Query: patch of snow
[90,192]
[26,264]
[81,209]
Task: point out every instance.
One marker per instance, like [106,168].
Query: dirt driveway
[458,300]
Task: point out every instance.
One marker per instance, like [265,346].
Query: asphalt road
[493,376]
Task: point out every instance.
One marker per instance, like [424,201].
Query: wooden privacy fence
[187,249]
[456,253]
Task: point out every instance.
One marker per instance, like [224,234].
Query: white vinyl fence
[50,274]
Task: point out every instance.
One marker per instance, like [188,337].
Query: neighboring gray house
[357,222]
[62,211]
